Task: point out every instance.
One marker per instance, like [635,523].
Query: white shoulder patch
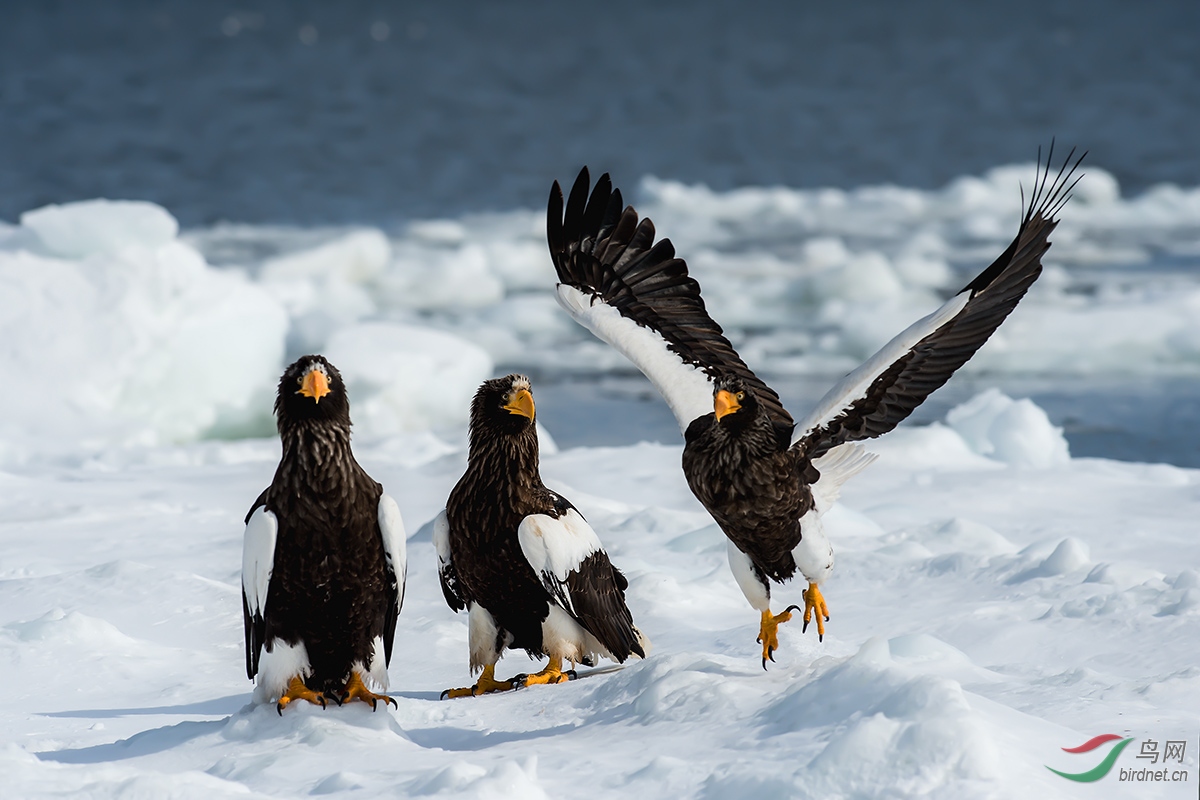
[441,539]
[854,386]
[556,547]
[687,389]
[258,558]
[391,527]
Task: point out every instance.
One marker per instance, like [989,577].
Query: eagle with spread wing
[765,479]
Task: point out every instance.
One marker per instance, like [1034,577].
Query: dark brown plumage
[486,564]
[333,586]
[761,481]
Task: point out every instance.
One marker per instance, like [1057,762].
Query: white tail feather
[836,467]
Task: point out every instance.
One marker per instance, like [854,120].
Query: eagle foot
[814,601]
[553,673]
[357,690]
[486,684]
[767,632]
[296,690]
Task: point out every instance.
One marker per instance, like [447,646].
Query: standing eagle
[521,559]
[323,563]
[765,479]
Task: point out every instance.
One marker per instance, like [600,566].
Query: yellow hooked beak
[314,385]
[521,403]
[725,403]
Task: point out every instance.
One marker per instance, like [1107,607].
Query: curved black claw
[571,674]
[519,681]
[387,699]
[279,708]
[444,695]
[336,699]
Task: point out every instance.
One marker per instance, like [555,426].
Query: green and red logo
[1100,770]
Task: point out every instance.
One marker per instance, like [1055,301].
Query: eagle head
[734,403]
[311,388]
[503,405]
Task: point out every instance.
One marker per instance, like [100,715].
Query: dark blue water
[306,112]
[1153,420]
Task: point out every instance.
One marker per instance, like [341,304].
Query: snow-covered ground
[994,600]
[985,614]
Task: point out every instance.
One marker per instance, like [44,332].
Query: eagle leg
[767,632]
[296,690]
[357,690]
[553,673]
[487,683]
[813,601]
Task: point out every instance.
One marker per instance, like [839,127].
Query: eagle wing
[391,529]
[568,558]
[874,398]
[258,561]
[637,296]
[446,572]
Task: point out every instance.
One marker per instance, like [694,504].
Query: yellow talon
[487,683]
[553,673]
[767,632]
[296,690]
[813,601]
[357,690]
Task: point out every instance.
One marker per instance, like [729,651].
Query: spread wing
[874,398]
[566,555]
[637,296]
[446,573]
[391,528]
[258,560]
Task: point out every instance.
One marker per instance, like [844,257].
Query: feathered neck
[316,453]
[506,463]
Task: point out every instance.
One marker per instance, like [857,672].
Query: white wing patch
[555,548]
[391,527]
[258,558]
[687,389]
[854,386]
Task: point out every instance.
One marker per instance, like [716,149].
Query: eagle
[521,559]
[323,560]
[765,479]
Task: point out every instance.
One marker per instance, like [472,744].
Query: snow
[135,340]
[985,614]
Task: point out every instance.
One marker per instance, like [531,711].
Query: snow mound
[125,335]
[77,230]
[403,378]
[1016,432]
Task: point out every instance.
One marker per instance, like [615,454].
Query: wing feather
[258,562]
[877,396]
[447,575]
[567,556]
[606,258]
[391,528]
